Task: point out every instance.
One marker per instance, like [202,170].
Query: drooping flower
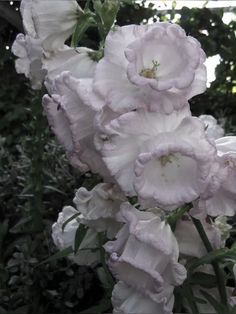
[150,153]
[74,60]
[51,21]
[29,53]
[223,201]
[65,237]
[213,129]
[145,254]
[148,62]
[189,241]
[126,300]
[71,120]
[99,207]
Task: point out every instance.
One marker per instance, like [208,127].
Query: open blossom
[51,21]
[126,300]
[150,153]
[213,130]
[145,254]
[145,62]
[99,206]
[29,62]
[71,120]
[64,238]
[223,202]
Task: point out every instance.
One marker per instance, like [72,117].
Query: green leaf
[69,220]
[203,279]
[220,308]
[85,21]
[63,253]
[79,236]
[20,226]
[217,255]
[106,12]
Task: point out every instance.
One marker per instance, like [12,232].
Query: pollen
[164,160]
[150,72]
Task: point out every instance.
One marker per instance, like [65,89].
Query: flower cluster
[127,118]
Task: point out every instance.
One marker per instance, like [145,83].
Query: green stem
[218,272]
[174,217]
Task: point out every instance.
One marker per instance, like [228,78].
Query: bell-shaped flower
[65,237]
[51,21]
[223,202]
[150,153]
[213,129]
[148,62]
[189,241]
[71,119]
[74,60]
[99,207]
[29,52]
[145,254]
[127,300]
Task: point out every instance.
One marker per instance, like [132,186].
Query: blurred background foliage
[36,180]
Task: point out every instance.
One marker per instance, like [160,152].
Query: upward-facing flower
[150,153]
[144,63]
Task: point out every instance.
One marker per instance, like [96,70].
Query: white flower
[99,207]
[52,21]
[71,120]
[223,202]
[142,62]
[74,60]
[213,130]
[189,241]
[150,153]
[29,53]
[65,238]
[145,254]
[126,300]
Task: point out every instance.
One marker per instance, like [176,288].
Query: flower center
[164,160]
[150,72]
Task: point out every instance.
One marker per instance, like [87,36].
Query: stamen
[150,72]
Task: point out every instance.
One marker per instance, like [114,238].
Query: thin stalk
[174,217]
[215,265]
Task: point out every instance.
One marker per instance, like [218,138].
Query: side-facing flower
[126,300]
[71,120]
[65,237]
[189,241]
[29,52]
[223,202]
[143,62]
[213,129]
[145,254]
[150,153]
[51,21]
[99,207]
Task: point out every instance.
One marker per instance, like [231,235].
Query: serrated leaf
[60,254]
[79,236]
